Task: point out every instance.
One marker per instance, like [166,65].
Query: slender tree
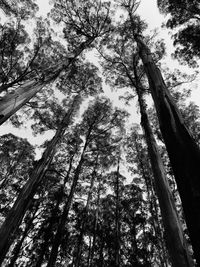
[117,216]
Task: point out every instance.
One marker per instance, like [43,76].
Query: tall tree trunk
[82,228]
[117,219]
[101,256]
[64,216]
[12,102]
[150,196]
[47,233]
[134,255]
[183,152]
[17,212]
[158,228]
[91,252]
[176,243]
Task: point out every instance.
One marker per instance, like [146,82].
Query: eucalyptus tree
[183,151]
[87,84]
[124,62]
[84,22]
[98,121]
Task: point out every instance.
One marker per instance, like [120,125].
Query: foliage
[185,17]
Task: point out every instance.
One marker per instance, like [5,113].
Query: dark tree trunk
[135,249]
[22,203]
[91,252]
[101,257]
[183,152]
[64,216]
[47,234]
[117,219]
[176,243]
[18,246]
[82,228]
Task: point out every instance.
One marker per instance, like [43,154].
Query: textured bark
[23,201]
[176,243]
[183,152]
[12,102]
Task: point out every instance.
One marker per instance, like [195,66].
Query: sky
[149,12]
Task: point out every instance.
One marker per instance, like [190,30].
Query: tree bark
[17,212]
[176,243]
[12,102]
[183,152]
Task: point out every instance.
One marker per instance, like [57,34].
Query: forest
[100,189]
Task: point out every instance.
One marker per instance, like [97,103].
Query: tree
[83,24]
[126,63]
[26,195]
[98,120]
[184,159]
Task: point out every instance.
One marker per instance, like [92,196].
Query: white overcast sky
[149,12]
